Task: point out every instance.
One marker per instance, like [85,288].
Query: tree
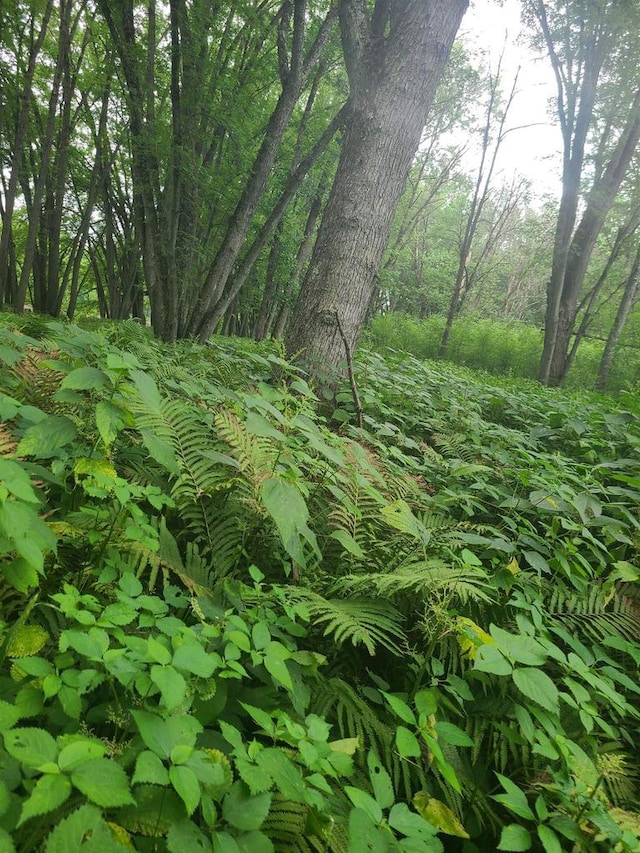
[395,56]
[588,46]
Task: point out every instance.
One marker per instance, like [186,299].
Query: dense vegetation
[239,618]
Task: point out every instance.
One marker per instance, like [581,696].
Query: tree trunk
[627,302]
[394,61]
[584,239]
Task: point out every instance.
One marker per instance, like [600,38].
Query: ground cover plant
[234,619]
[501,347]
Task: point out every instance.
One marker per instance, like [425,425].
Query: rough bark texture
[394,59]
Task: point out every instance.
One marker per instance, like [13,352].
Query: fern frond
[360,621]
[467,583]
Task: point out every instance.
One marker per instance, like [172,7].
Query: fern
[428,577]
[360,621]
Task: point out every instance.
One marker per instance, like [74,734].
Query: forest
[319,431]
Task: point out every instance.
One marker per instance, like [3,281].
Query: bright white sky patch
[534,151]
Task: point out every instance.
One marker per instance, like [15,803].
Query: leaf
[44,439]
[103,782]
[172,685]
[407,743]
[452,734]
[549,839]
[76,753]
[110,419]
[401,709]
[490,659]
[33,747]
[364,835]
[84,831]
[536,685]
[285,774]
[365,802]
[412,824]
[289,511]
[191,657]
[348,543]
[186,785]
[48,793]
[185,837]
[439,815]
[380,782]
[86,379]
[149,768]
[514,838]
[244,811]
[161,736]
[514,799]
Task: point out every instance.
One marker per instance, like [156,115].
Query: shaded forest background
[173,163]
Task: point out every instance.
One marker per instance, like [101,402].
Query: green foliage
[502,348]
[233,628]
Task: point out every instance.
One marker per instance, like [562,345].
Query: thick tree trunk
[395,60]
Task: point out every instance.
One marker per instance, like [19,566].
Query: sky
[535,150]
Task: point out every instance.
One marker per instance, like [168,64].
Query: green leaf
[103,782]
[110,419]
[75,754]
[48,793]
[452,734]
[348,543]
[33,747]
[514,838]
[490,659]
[380,782]
[288,509]
[244,811]
[407,743]
[161,736]
[185,837]
[536,685]
[283,771]
[365,835]
[549,839]
[365,802]
[45,438]
[403,820]
[172,685]
[401,709]
[519,647]
[514,799]
[191,657]
[17,482]
[149,768]
[84,831]
[9,715]
[86,379]
[186,785]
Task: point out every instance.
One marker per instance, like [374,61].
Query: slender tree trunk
[584,239]
[629,299]
[22,124]
[394,60]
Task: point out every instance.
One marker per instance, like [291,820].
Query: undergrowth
[230,624]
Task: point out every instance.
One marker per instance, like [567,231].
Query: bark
[629,299]
[581,246]
[394,60]
[206,313]
[22,124]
